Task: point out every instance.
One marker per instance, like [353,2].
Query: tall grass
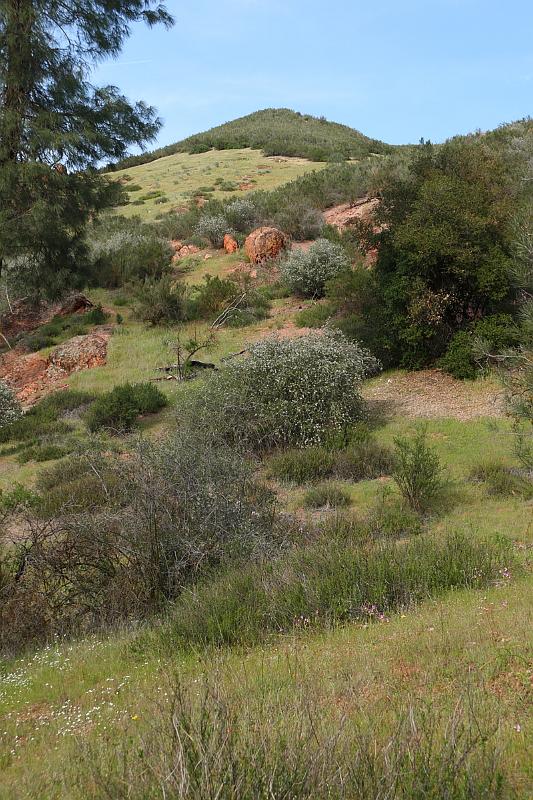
[206,747]
[336,579]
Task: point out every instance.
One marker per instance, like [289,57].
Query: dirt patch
[346,214]
[432,394]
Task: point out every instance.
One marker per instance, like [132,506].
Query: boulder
[80,352]
[264,244]
[230,244]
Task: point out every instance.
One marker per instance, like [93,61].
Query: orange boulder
[264,244]
[230,244]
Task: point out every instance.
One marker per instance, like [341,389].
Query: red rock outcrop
[264,244]
[230,243]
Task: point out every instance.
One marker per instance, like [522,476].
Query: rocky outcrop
[230,243]
[32,376]
[182,250]
[264,244]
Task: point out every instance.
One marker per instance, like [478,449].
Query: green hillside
[174,180]
[275,131]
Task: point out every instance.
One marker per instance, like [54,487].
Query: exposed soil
[346,214]
[431,394]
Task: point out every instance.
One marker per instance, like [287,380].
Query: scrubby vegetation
[267,506]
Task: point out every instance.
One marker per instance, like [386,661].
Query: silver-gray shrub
[241,214]
[213,227]
[286,391]
[306,271]
[10,408]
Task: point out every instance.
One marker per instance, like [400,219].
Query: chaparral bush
[118,409]
[306,271]
[241,214]
[10,409]
[213,228]
[286,391]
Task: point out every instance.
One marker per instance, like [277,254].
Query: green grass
[179,176]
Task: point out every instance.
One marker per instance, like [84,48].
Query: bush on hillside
[127,250]
[307,271]
[162,301]
[241,214]
[503,481]
[302,465]
[10,408]
[333,580]
[118,409]
[213,228]
[131,534]
[470,349]
[286,391]
[417,471]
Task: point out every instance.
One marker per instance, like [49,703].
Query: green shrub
[417,471]
[458,359]
[123,250]
[241,214]
[118,409]
[327,495]
[302,465]
[10,408]
[503,481]
[209,298]
[307,271]
[96,316]
[286,391]
[470,349]
[316,316]
[45,417]
[392,520]
[332,581]
[162,301]
[42,452]
[301,220]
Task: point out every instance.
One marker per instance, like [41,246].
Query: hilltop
[277,132]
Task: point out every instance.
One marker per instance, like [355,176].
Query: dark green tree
[56,128]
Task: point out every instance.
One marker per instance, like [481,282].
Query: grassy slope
[179,176]
[468,644]
[277,131]
[101,692]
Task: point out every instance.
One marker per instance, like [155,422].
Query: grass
[179,176]
[114,691]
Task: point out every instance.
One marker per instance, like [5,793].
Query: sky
[397,70]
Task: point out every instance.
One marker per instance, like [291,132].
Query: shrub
[286,391]
[209,298]
[302,465]
[306,272]
[132,533]
[96,316]
[503,481]
[470,349]
[391,520]
[327,495]
[162,301]
[127,250]
[10,408]
[45,417]
[241,214]
[458,359]
[213,228]
[316,316]
[300,220]
[417,471]
[118,409]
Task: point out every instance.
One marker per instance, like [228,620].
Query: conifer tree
[56,128]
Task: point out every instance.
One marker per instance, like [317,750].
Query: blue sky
[394,69]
